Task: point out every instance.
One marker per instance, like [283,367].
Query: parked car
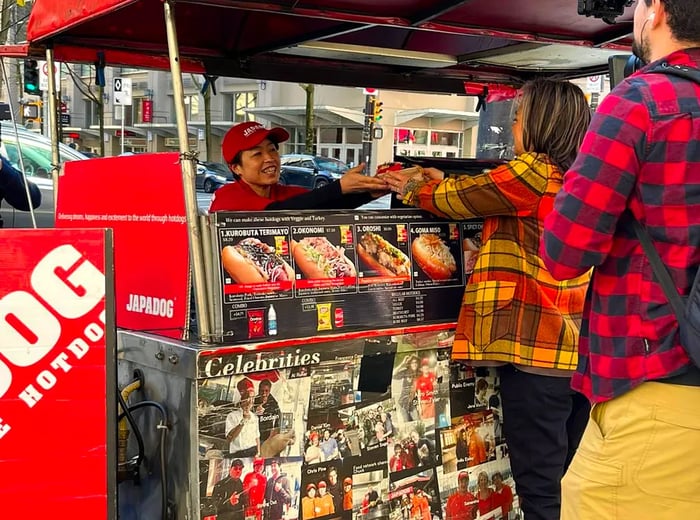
[36,155]
[310,171]
[211,176]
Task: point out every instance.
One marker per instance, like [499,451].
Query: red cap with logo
[245,136]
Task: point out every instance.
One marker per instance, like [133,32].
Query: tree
[206,94]
[97,98]
[309,136]
[13,28]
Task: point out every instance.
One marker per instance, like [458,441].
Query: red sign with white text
[57,358]
[147,110]
[142,199]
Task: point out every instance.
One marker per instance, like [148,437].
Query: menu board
[290,276]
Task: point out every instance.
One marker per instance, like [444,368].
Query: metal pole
[53,122]
[367,133]
[187,163]
[122,134]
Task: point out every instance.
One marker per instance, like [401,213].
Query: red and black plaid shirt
[641,153]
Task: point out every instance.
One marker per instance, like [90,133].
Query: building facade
[412,124]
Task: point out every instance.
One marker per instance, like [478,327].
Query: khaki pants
[639,458]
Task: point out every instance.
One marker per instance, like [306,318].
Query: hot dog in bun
[316,257]
[433,256]
[382,256]
[253,261]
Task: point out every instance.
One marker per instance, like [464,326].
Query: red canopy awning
[400,44]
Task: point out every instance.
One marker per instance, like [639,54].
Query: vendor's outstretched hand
[354,181]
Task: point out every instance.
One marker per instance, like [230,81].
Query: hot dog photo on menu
[436,250]
[382,251]
[471,244]
[323,258]
[255,264]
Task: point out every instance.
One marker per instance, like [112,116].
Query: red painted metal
[241,38]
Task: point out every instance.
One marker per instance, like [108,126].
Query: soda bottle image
[272,321]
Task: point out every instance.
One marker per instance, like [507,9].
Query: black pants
[543,421]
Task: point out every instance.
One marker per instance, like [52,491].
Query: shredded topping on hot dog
[438,250]
[268,263]
[330,259]
[386,254]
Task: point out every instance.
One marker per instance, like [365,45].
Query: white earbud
[651,16]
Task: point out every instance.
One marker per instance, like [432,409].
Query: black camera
[608,10]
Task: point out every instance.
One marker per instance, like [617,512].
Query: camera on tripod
[608,10]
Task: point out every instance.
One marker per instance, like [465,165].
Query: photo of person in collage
[307,442]
[250,466]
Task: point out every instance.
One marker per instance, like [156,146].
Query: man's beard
[641,48]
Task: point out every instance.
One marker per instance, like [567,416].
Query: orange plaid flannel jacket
[513,310]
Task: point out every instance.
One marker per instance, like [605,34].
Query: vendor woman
[252,153]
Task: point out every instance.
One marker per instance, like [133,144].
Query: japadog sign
[146,211]
[56,365]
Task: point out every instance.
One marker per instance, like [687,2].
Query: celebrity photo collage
[310,441]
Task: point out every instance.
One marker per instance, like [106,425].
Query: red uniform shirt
[504,499]
[461,506]
[239,196]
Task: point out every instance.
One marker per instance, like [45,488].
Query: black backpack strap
[680,71]
[660,271]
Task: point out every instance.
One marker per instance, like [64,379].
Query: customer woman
[252,153]
[514,314]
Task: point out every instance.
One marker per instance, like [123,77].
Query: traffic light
[377,116]
[31,77]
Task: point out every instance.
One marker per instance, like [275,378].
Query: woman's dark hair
[555,116]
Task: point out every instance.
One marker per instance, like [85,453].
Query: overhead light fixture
[380,55]
[528,56]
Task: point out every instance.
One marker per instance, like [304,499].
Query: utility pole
[309,118]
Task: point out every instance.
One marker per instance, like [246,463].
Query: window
[420,136]
[123,111]
[353,135]
[191,105]
[91,113]
[331,135]
[435,143]
[234,106]
[445,138]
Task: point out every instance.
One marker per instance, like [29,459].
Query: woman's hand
[403,181]
[433,174]
[354,181]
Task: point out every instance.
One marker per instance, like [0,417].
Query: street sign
[370,91]
[44,75]
[65,119]
[122,91]
[594,84]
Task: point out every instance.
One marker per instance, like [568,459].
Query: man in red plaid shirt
[640,452]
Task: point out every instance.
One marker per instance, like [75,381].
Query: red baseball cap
[245,136]
[463,474]
[245,384]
